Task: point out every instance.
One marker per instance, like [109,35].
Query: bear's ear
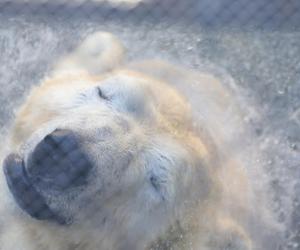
[98,53]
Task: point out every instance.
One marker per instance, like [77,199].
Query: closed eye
[155,182]
[101,94]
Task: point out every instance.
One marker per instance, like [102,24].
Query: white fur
[150,125]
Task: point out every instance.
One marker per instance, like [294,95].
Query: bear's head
[116,153]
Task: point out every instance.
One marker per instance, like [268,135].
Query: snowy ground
[265,66]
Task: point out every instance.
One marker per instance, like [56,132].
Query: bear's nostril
[58,161]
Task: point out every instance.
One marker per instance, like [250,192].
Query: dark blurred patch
[58,162]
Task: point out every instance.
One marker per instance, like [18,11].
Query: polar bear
[116,156]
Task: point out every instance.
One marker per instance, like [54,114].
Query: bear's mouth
[24,192]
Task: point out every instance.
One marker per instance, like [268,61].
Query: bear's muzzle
[24,193]
[57,164]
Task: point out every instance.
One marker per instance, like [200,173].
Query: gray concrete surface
[264,64]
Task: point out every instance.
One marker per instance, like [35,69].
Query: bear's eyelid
[154,182]
[100,94]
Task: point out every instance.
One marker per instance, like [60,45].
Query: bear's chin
[24,192]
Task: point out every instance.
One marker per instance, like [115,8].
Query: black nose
[58,162]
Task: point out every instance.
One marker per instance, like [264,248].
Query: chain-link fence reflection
[276,14]
[257,42]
